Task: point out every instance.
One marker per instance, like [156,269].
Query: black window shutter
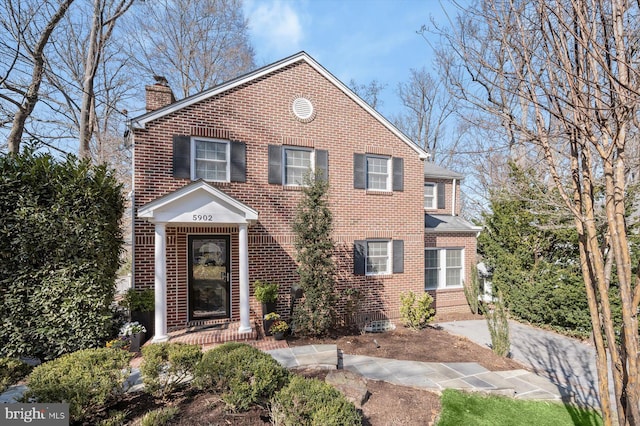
[441,194]
[359,256]
[238,161]
[275,164]
[359,171]
[398,256]
[322,163]
[181,157]
[398,174]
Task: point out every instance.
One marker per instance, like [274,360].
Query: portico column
[243,242]
[160,284]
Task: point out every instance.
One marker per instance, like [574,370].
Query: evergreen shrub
[242,374]
[88,380]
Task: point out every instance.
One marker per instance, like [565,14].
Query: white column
[243,240]
[160,284]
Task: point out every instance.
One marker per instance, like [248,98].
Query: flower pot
[136,340]
[267,308]
[279,335]
[146,318]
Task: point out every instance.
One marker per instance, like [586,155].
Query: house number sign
[203,218]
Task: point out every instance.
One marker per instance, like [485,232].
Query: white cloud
[275,26]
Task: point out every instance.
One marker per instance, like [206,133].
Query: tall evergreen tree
[314,253]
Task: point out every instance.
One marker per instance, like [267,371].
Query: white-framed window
[210,159]
[443,268]
[378,173]
[378,257]
[430,196]
[297,162]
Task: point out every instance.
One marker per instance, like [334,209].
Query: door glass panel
[209,277]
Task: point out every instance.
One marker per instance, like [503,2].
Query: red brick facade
[259,113]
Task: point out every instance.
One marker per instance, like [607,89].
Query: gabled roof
[197,202]
[141,121]
[445,223]
[436,172]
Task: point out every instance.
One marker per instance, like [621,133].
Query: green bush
[265,292]
[498,324]
[11,371]
[166,366]
[312,402]
[416,312]
[60,243]
[89,380]
[241,373]
[138,300]
[159,417]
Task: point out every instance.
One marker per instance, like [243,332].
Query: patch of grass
[460,408]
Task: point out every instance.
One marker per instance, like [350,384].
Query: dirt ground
[387,404]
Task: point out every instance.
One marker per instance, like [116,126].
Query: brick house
[217,180]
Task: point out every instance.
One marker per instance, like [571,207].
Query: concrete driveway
[567,362]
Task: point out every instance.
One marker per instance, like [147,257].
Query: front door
[209,277]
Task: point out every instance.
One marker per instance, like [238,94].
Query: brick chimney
[159,94]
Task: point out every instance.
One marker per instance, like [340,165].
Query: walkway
[567,362]
[520,384]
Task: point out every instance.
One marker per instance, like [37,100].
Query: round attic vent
[303,109]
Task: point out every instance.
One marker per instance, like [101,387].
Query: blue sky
[363,40]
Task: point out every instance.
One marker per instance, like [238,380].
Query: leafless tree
[427,106]
[195,44]
[561,76]
[370,93]
[27,27]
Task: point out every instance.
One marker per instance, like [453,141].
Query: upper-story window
[289,164]
[210,159]
[297,162]
[378,173]
[430,196]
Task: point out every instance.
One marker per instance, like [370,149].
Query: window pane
[431,268]
[211,160]
[431,278]
[377,173]
[453,277]
[377,257]
[429,196]
[454,258]
[297,163]
[431,259]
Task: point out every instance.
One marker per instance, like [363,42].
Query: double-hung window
[443,268]
[210,159]
[297,162]
[378,257]
[378,173]
[430,196]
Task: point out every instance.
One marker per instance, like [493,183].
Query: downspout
[453,200]
[133,206]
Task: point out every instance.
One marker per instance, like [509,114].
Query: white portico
[200,204]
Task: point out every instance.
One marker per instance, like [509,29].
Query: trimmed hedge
[241,373]
[311,402]
[60,242]
[89,380]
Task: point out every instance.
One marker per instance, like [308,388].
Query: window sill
[445,289]
[378,192]
[293,187]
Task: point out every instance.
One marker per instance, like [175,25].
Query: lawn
[460,408]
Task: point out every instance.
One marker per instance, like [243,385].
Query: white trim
[193,158]
[141,121]
[442,268]
[434,203]
[453,198]
[389,270]
[312,161]
[389,184]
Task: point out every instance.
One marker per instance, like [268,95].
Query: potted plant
[279,327]
[141,305]
[267,294]
[134,331]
